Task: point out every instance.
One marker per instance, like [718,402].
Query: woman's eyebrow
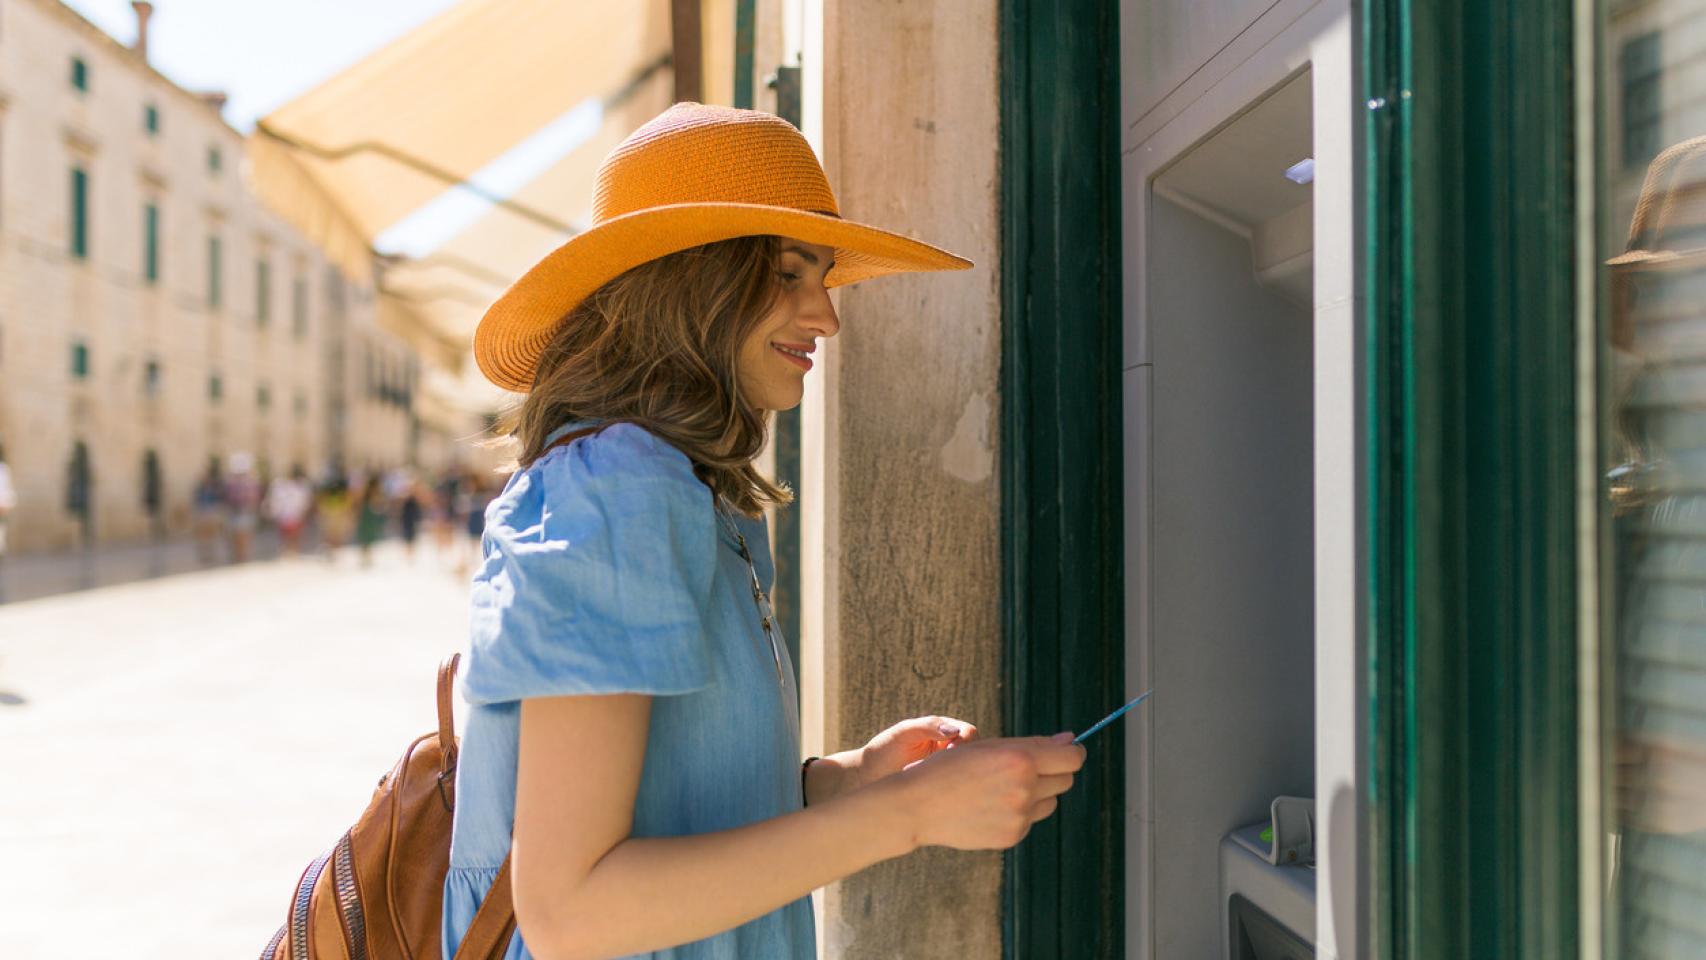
[809,256]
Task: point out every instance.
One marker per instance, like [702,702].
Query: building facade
[154,316]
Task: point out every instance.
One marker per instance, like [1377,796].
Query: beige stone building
[154,316]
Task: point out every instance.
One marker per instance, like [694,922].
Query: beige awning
[454,284]
[392,133]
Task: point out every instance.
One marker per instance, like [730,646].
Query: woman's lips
[804,363]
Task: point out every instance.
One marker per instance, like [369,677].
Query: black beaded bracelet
[807,765]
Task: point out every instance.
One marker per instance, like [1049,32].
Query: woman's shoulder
[621,449]
[621,466]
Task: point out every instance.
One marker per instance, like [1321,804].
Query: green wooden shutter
[151,243]
[263,292]
[214,291]
[79,213]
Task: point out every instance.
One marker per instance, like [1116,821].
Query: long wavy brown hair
[657,347]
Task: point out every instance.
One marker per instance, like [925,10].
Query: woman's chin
[783,400]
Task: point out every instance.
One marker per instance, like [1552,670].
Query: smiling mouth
[796,356]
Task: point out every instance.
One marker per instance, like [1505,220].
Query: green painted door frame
[1062,532]
[1470,278]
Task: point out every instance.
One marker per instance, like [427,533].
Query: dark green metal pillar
[1062,542]
[1470,275]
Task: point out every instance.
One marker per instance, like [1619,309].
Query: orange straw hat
[692,175]
[1670,217]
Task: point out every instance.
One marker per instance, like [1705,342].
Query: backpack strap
[488,935]
[447,746]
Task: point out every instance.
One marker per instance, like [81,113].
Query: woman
[8,499]
[409,513]
[209,512]
[633,746]
[370,517]
[288,501]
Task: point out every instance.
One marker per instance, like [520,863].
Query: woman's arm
[584,888]
[830,776]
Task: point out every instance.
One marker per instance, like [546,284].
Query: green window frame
[80,74]
[215,388]
[215,162]
[263,396]
[1063,591]
[79,213]
[1469,272]
[299,307]
[151,119]
[151,243]
[263,292]
[215,291]
[79,360]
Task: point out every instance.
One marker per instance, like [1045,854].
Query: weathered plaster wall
[908,556]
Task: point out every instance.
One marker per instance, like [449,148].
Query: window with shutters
[151,243]
[79,213]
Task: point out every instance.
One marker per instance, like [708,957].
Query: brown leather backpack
[378,893]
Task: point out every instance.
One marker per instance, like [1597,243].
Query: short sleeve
[597,575]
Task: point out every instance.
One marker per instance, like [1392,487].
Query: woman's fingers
[1053,785]
[948,728]
[1055,756]
[1043,809]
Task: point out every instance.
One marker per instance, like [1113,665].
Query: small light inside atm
[1302,172]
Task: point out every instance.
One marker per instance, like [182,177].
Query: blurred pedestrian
[243,505]
[209,509]
[476,495]
[443,516]
[370,517]
[8,499]
[409,513]
[332,504]
[289,499]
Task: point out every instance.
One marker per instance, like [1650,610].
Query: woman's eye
[789,277]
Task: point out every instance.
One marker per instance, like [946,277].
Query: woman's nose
[819,315]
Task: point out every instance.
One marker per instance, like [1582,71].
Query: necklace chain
[760,599]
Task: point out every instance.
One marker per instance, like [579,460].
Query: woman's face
[776,355]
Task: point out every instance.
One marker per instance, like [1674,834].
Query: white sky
[261,52]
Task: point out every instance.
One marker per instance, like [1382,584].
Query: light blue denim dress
[607,570]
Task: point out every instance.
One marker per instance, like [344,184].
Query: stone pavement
[26,576]
[173,752]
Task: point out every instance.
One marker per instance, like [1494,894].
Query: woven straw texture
[1669,226]
[692,175]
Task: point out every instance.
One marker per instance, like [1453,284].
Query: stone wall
[902,508]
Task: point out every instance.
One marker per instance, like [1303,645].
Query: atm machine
[1241,462]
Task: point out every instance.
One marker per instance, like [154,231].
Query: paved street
[28,576]
[176,750]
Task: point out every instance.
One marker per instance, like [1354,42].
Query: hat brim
[1658,259]
[514,331]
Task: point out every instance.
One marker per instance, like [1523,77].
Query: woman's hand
[986,795]
[908,742]
[888,753]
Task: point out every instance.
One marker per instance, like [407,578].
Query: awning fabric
[359,153]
